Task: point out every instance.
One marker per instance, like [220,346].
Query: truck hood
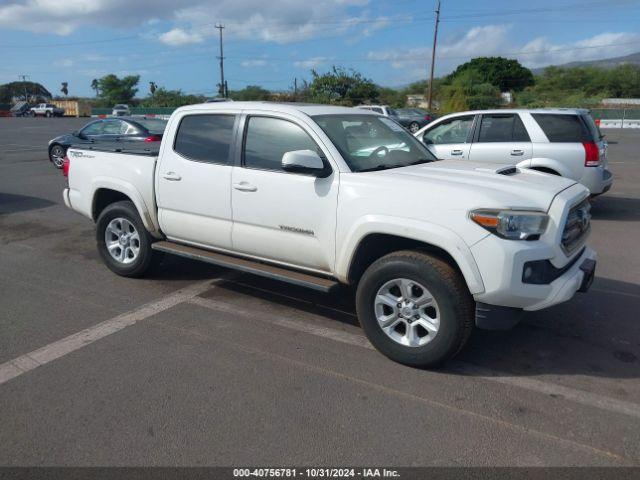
[506,185]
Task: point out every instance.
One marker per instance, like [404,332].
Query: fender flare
[421,231]
[128,189]
[551,164]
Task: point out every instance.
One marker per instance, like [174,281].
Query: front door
[277,215]
[193,181]
[450,138]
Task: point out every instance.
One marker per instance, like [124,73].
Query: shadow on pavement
[616,208]
[594,334]
[10,203]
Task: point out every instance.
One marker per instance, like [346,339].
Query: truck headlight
[512,224]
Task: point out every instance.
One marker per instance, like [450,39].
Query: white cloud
[310,62]
[542,52]
[178,37]
[253,63]
[497,40]
[279,21]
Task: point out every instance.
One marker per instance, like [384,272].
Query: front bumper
[578,278]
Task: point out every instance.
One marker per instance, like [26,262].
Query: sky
[174,43]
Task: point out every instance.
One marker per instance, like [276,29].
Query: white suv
[563,142]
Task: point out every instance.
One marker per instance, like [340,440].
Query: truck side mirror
[304,161]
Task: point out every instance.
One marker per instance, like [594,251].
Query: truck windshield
[370,142]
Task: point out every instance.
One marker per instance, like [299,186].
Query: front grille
[577,226]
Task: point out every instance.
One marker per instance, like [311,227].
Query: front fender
[418,230]
[149,219]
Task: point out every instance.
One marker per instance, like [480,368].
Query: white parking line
[18,366]
[546,388]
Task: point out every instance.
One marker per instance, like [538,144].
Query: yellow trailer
[74,108]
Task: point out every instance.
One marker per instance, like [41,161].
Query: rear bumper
[65,197]
[597,179]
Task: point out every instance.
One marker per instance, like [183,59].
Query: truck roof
[306,108]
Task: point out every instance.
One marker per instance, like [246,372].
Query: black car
[413,118]
[108,130]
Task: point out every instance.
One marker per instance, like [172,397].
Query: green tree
[118,90]
[467,91]
[250,93]
[504,73]
[170,98]
[18,90]
[342,86]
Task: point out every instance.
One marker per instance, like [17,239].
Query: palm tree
[95,85]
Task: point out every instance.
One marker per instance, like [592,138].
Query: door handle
[456,152]
[245,187]
[172,176]
[517,153]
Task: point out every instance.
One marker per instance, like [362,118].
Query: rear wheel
[414,127]
[48,114]
[415,308]
[56,155]
[123,241]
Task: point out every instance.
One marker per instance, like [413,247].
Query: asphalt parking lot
[197,365]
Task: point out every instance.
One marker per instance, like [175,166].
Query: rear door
[501,138]
[450,138]
[193,180]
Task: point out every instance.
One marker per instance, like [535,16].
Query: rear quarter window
[563,128]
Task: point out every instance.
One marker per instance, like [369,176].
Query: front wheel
[48,114]
[415,308]
[123,241]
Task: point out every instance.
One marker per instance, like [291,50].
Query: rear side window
[268,139]
[205,138]
[502,128]
[563,128]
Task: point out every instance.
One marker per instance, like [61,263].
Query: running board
[270,271]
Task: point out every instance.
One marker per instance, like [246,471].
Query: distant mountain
[633,59]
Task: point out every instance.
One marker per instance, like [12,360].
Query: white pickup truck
[319,195]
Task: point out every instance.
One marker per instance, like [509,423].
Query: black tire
[57,154]
[48,114]
[414,127]
[142,262]
[455,303]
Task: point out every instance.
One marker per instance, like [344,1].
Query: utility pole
[433,57]
[295,89]
[24,81]
[222,90]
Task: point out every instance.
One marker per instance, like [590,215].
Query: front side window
[268,139]
[502,128]
[454,130]
[369,142]
[205,138]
